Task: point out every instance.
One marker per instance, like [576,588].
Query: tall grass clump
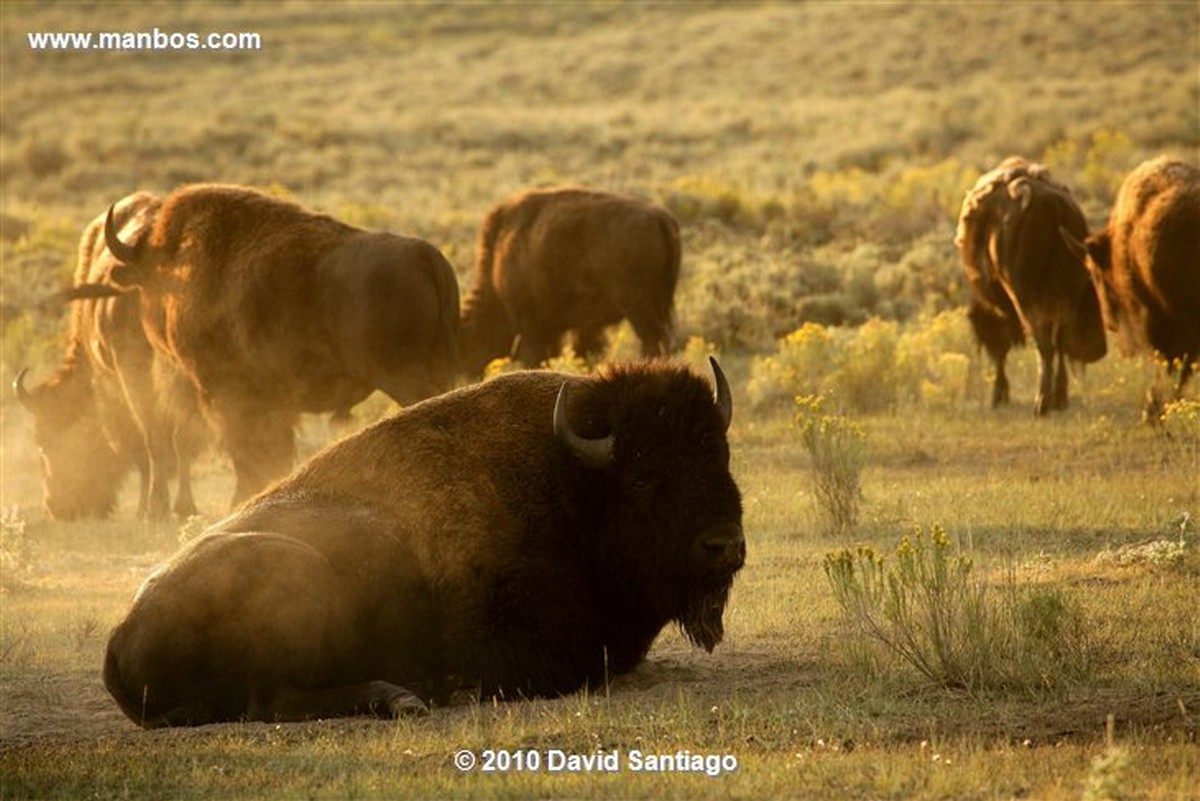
[838,448]
[929,610]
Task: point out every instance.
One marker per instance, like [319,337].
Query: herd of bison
[523,536]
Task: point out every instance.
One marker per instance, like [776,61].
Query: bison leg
[1044,403]
[1060,382]
[996,334]
[1000,391]
[655,335]
[262,446]
[375,698]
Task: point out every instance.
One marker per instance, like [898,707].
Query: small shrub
[15,560]
[1180,428]
[866,378]
[929,611]
[799,366]
[838,447]
[696,352]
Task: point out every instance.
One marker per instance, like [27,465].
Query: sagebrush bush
[930,611]
[800,366]
[838,449]
[876,367]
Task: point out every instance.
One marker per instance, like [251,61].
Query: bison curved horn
[23,396]
[724,396]
[595,453]
[122,252]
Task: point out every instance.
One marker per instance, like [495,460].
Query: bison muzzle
[523,537]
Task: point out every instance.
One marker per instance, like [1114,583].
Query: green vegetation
[932,612]
[816,155]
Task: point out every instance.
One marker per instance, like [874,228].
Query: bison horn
[724,396]
[122,252]
[23,395]
[595,453]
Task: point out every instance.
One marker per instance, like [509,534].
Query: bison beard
[702,621]
[523,537]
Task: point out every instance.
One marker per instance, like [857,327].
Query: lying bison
[523,537]
[272,310]
[1146,264]
[112,405]
[1024,279]
[556,260]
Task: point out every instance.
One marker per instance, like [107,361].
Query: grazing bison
[1146,264]
[1025,280]
[271,310]
[522,537]
[111,404]
[570,259]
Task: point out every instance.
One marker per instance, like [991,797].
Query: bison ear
[126,275]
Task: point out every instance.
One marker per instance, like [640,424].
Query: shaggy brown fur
[1146,264]
[462,544]
[111,404]
[271,310]
[570,259]
[1025,281]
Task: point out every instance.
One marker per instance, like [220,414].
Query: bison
[522,537]
[1025,280]
[271,310]
[1146,264]
[111,404]
[555,260]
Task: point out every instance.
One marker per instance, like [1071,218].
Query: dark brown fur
[111,405]
[271,310]
[1025,281]
[1146,264]
[570,259]
[457,545]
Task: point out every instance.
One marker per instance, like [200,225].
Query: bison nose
[725,546]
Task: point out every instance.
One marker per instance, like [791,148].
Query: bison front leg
[374,698]
[1044,402]
[262,446]
[1061,376]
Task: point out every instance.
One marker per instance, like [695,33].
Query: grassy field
[816,155]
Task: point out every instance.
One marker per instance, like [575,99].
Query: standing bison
[112,405]
[1025,280]
[570,259]
[1146,264]
[522,537]
[271,310]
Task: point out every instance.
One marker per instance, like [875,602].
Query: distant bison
[570,259]
[522,537]
[112,405]
[1146,263]
[1025,280]
[271,310]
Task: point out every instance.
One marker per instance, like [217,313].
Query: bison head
[654,441]
[1096,254]
[81,472]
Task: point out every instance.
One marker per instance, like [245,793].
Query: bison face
[81,472]
[673,510]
